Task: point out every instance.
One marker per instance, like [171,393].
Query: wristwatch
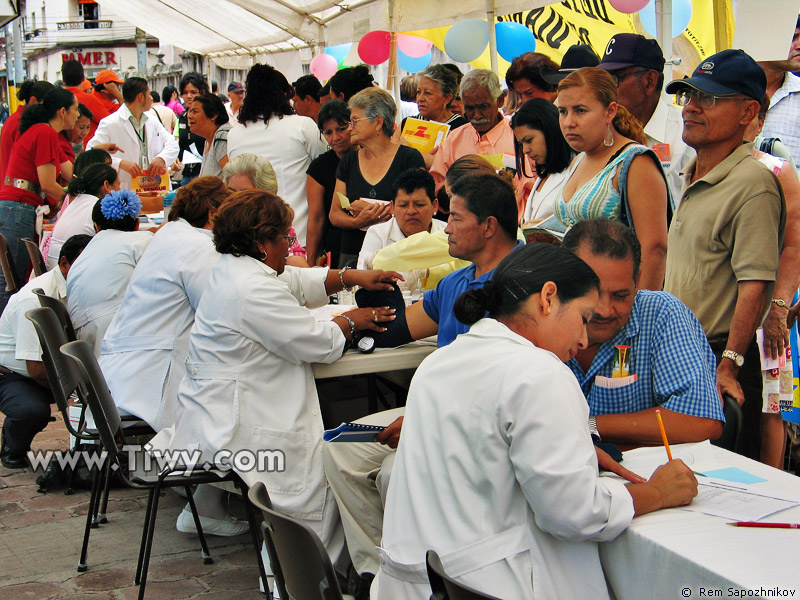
[737,358]
[593,429]
[779,302]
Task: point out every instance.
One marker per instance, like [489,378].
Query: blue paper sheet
[735,475]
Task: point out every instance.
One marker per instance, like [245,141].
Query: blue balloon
[681,15]
[466,40]
[513,39]
[340,51]
[411,64]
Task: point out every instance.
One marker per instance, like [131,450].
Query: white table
[382,359]
[678,554]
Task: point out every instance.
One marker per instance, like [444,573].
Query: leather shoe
[226,527]
[9,460]
[14,462]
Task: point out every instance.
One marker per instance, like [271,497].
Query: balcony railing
[84,25]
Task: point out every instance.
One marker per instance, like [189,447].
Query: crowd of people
[673,216]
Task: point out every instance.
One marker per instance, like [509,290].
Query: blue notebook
[353,432]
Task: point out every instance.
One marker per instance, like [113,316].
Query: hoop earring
[609,134]
[264,258]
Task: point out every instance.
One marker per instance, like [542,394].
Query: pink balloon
[629,6]
[374,47]
[323,66]
[413,46]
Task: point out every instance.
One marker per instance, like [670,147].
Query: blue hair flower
[120,204]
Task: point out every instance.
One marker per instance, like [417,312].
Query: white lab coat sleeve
[307,285]
[272,316]
[103,135]
[169,145]
[555,461]
[194,275]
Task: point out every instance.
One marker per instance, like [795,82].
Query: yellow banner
[558,26]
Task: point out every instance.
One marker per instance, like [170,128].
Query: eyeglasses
[353,122]
[704,100]
[291,239]
[617,77]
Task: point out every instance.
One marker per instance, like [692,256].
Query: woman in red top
[33,170]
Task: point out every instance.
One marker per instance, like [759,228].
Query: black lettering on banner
[602,11]
[533,17]
[554,38]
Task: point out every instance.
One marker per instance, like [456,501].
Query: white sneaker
[226,527]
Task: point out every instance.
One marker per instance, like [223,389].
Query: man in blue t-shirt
[482,229]
[670,364]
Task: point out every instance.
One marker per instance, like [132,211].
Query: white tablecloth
[678,554]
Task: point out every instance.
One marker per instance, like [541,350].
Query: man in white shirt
[783,88]
[236,95]
[25,395]
[637,66]
[145,144]
[413,206]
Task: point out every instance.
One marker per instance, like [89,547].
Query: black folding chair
[37,260]
[300,563]
[7,264]
[65,385]
[61,312]
[109,427]
[445,587]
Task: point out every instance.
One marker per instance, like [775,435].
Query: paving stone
[243,578]
[103,580]
[32,591]
[26,519]
[231,595]
[164,590]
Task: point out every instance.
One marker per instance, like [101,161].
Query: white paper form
[738,502]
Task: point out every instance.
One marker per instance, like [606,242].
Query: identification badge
[663,153]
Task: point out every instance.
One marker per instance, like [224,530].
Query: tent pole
[393,81]
[492,39]
[664,33]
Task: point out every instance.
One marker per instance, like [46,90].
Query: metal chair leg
[150,526]
[101,516]
[147,514]
[89,518]
[207,559]
[251,518]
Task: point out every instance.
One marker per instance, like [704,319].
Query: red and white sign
[91,58]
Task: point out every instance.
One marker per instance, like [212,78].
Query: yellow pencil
[663,434]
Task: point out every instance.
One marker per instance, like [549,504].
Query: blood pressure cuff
[396,333]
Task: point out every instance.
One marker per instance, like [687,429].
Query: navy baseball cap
[235,86]
[576,57]
[632,50]
[724,74]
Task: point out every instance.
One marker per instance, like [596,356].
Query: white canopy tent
[234,33]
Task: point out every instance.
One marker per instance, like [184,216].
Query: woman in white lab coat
[495,469]
[249,385]
[99,277]
[145,347]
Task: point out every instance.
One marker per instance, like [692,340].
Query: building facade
[58,30]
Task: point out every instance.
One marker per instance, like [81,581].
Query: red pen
[768,525]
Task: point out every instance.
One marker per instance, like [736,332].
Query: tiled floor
[40,537]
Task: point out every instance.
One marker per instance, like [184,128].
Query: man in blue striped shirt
[671,364]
